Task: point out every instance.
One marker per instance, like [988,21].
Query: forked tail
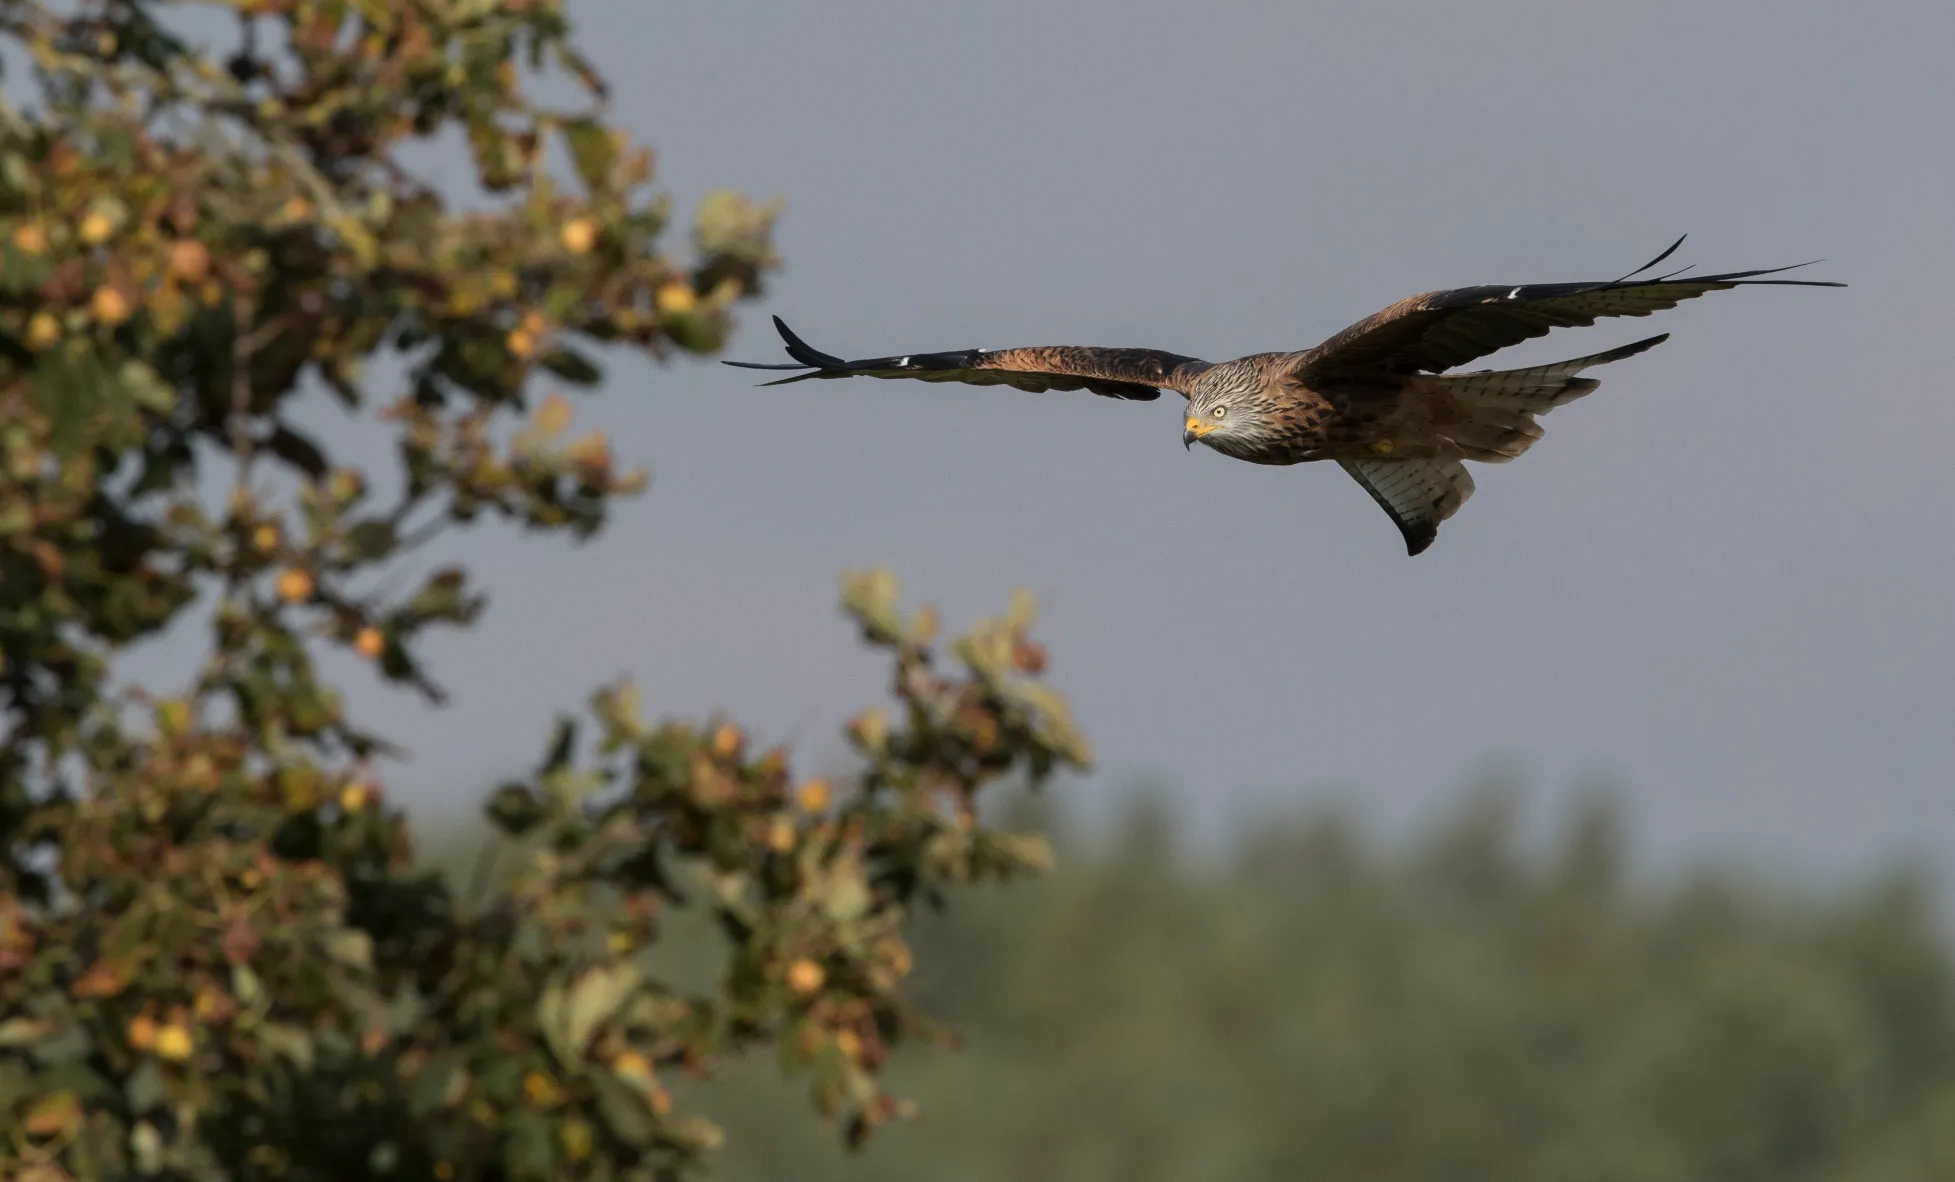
[1497,407]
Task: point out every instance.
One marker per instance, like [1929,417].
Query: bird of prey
[1375,397]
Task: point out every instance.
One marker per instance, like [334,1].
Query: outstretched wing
[1417,494]
[1437,330]
[1136,374]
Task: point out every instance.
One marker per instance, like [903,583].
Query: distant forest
[1318,1005]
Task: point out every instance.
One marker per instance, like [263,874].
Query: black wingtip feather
[1659,258]
[805,353]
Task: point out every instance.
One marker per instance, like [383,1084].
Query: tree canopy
[217,956]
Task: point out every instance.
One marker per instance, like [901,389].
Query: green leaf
[623,1110]
[298,451]
[145,1088]
[149,391]
[515,809]
[552,1017]
[290,1041]
[569,1018]
[847,896]
[870,596]
[369,540]
[441,1078]
[17,1032]
[593,150]
[351,947]
[571,366]
[563,745]
[529,1145]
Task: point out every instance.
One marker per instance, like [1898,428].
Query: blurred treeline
[1317,1004]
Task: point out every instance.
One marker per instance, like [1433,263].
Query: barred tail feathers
[1497,408]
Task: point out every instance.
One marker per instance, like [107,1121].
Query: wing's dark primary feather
[1437,330]
[1137,375]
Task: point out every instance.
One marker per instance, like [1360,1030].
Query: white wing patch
[1417,494]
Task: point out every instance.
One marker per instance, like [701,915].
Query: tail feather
[1538,388]
[1493,435]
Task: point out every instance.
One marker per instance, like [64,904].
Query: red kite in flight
[1375,397]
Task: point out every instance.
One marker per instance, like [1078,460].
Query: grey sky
[1723,580]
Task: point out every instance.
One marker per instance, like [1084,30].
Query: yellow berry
[294,585]
[520,343]
[265,537]
[577,1139]
[579,235]
[297,209]
[173,1043]
[632,1065]
[849,1043]
[109,306]
[42,330]
[369,642]
[541,1090]
[676,298]
[30,239]
[212,1006]
[814,795]
[554,415]
[189,261]
[726,741]
[804,976]
[96,228]
[141,1032]
[780,835]
[353,797]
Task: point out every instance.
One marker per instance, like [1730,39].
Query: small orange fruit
[189,260]
[142,1032]
[173,1043]
[96,228]
[369,642]
[294,585]
[30,238]
[804,976]
[109,306]
[42,330]
[579,235]
[814,795]
[676,298]
[632,1065]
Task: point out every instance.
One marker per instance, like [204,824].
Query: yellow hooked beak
[1194,430]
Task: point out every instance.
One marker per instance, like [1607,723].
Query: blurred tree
[216,959]
[1314,1006]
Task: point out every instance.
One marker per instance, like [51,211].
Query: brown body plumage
[1375,397]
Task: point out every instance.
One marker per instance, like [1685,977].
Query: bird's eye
[1221,411]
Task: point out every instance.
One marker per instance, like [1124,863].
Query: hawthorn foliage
[217,957]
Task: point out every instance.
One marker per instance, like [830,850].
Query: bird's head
[1225,412]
